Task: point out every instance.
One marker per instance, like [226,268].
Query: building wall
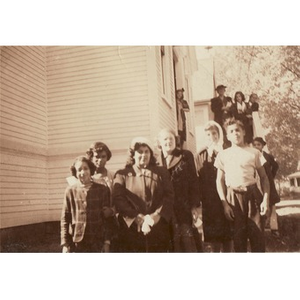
[23,124]
[55,101]
[94,93]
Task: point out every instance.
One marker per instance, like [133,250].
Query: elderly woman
[143,197]
[83,224]
[216,227]
[181,167]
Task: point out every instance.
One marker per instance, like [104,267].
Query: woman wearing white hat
[143,197]
[217,233]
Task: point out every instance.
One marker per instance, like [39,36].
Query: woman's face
[258,145]
[142,156]
[212,136]
[179,94]
[83,172]
[99,159]
[239,98]
[167,142]
[253,98]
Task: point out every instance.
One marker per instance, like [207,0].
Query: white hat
[141,140]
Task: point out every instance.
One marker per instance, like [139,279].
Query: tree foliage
[273,72]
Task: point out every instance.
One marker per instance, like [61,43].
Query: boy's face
[235,134]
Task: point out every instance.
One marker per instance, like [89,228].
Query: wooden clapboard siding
[23,185]
[23,95]
[94,93]
[55,101]
[24,136]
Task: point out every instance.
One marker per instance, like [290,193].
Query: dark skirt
[130,240]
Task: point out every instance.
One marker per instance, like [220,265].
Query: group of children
[233,186]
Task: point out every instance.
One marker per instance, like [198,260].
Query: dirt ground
[288,241]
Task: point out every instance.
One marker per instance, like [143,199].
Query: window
[167,81]
[292,182]
[163,69]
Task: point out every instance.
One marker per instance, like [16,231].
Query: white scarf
[241,107]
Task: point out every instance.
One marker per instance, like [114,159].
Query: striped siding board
[55,101]
[23,185]
[23,114]
[94,93]
[23,95]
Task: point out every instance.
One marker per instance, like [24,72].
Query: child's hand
[108,212]
[106,247]
[228,212]
[66,249]
[264,209]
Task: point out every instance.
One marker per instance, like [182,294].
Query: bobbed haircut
[99,147]
[130,161]
[90,164]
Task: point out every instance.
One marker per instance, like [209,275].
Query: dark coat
[82,214]
[185,183]
[216,105]
[255,106]
[215,226]
[144,192]
[131,196]
[271,168]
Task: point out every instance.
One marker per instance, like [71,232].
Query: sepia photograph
[134,149]
[149,149]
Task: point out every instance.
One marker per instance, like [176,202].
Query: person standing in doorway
[182,108]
